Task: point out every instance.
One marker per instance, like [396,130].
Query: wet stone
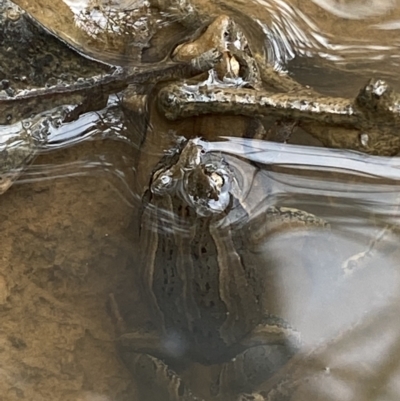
[31,60]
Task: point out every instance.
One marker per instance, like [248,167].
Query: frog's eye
[203,191]
[364,139]
[163,182]
[221,188]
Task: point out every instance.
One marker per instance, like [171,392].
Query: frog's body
[206,304]
[206,319]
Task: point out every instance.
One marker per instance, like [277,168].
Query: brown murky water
[70,233]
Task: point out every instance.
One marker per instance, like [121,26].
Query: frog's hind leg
[155,380]
[269,346]
[265,355]
[276,219]
[272,343]
[249,370]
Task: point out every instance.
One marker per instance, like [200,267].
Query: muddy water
[70,234]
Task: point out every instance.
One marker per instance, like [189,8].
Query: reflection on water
[354,34]
[331,273]
[357,9]
[352,271]
[23,141]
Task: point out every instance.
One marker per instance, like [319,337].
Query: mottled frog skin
[206,304]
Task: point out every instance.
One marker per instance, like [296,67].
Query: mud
[63,252]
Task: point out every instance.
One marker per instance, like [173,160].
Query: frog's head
[201,179]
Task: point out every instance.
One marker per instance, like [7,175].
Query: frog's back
[206,296]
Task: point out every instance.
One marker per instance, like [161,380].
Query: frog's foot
[273,331]
[134,103]
[284,395]
[155,380]
[21,144]
[205,61]
[250,369]
[183,11]
[16,153]
[251,397]
[141,342]
[261,360]
[280,81]
[268,348]
[95,100]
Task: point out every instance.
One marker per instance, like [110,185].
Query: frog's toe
[156,381]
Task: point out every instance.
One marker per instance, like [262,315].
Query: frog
[186,190]
[366,123]
[198,196]
[205,303]
[54,74]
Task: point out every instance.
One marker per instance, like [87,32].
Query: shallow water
[70,224]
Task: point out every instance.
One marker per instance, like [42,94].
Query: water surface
[70,223]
